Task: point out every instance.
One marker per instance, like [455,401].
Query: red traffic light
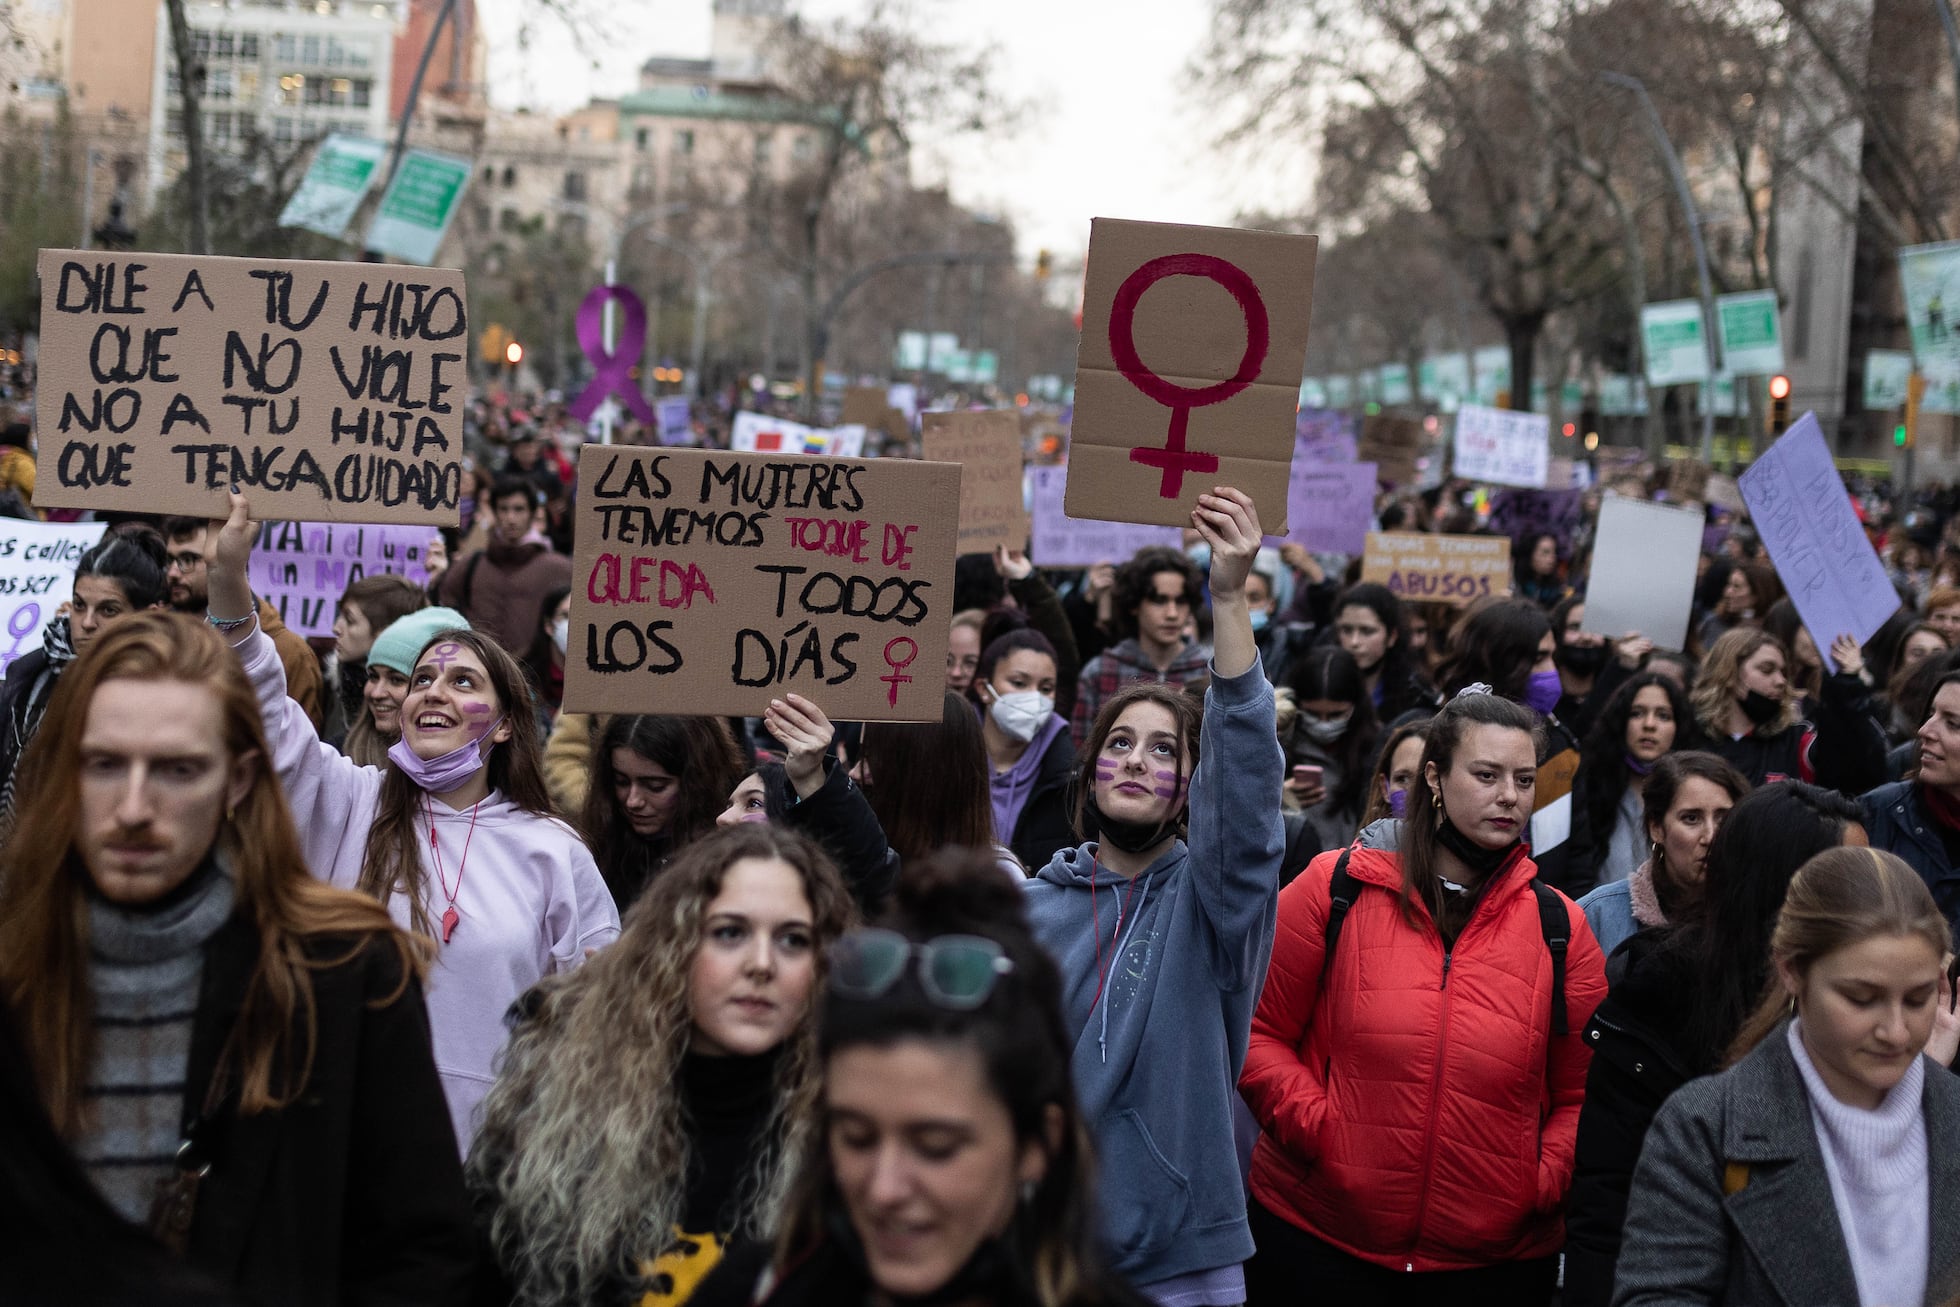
[1570,430]
[1779,387]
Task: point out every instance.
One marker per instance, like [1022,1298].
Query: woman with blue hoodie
[1163,941]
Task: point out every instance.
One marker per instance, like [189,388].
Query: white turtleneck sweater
[1877,1164]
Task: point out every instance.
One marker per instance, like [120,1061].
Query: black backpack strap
[1557,925]
[1341,892]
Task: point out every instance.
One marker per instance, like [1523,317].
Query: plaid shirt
[1121,664]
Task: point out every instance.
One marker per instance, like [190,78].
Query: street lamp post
[1710,335]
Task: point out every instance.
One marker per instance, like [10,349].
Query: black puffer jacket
[1639,1057]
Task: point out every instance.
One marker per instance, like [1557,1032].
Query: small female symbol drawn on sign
[24,621]
[898,663]
[1174,459]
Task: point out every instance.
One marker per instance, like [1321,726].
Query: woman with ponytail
[1819,1168]
[456,835]
[1399,1160]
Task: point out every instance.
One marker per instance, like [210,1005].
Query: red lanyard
[449,914]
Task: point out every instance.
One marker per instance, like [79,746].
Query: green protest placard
[1676,342]
[338,179]
[1752,339]
[417,206]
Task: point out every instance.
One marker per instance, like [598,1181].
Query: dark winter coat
[1842,747]
[353,1195]
[1047,821]
[1896,820]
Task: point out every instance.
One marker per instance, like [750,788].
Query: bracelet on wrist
[228,623]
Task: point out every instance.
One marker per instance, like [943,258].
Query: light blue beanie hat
[397,646]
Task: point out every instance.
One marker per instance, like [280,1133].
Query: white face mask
[1324,732]
[561,632]
[1021,713]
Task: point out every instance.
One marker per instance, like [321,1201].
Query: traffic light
[1044,263]
[1907,434]
[1779,404]
[1569,430]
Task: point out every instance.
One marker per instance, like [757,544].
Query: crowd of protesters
[1240,933]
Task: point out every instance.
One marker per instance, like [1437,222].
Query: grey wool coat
[1731,1203]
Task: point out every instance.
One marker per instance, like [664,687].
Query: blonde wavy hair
[1721,676]
[581,1162]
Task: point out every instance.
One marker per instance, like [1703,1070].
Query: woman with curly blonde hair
[1744,703]
[656,1102]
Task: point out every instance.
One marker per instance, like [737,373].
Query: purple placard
[1321,436]
[303,568]
[1330,507]
[1064,541]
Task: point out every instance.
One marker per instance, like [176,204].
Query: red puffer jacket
[1419,1113]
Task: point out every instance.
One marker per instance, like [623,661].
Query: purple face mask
[1398,802]
[1542,692]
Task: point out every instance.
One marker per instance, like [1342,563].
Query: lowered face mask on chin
[448,772]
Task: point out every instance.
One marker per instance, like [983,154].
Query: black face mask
[1480,860]
[1759,708]
[1582,660]
[1130,836]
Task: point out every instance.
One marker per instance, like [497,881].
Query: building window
[684,142]
[285,130]
[220,84]
[309,50]
[507,220]
[173,122]
[575,186]
[248,45]
[805,147]
[363,92]
[642,177]
[285,49]
[510,176]
[640,138]
[222,128]
[222,45]
[480,217]
[201,43]
[762,149]
[248,85]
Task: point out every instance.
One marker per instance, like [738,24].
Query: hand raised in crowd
[1295,556]
[1633,647]
[1012,564]
[805,734]
[1944,1042]
[1847,654]
[1100,581]
[229,549]
[1229,523]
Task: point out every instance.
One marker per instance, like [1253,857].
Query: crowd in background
[1239,933]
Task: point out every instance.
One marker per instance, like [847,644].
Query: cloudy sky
[1110,131]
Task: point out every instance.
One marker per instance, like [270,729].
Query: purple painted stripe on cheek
[1105,771]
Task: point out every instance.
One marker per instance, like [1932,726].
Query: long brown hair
[44,930]
[1423,814]
[698,752]
[1721,677]
[1185,709]
[1841,897]
[392,862]
[583,1155]
[928,785]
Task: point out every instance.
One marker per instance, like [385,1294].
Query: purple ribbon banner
[613,373]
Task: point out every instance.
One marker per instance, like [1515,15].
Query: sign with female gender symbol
[1194,341]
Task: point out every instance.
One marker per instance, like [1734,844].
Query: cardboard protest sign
[1643,571]
[1194,340]
[1331,506]
[1392,443]
[1425,568]
[37,576]
[1502,447]
[327,390]
[987,446]
[1520,514]
[1063,541]
[1687,478]
[302,568]
[1803,513]
[707,582]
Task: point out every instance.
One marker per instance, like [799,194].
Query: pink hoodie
[531,901]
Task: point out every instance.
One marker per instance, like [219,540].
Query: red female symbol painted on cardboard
[896,677]
[1173,459]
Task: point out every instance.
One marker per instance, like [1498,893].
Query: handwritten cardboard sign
[1502,447]
[302,568]
[37,576]
[987,446]
[1194,341]
[1064,541]
[328,390]
[1392,443]
[1643,571]
[1331,506]
[711,582]
[1425,568]
[1800,507]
